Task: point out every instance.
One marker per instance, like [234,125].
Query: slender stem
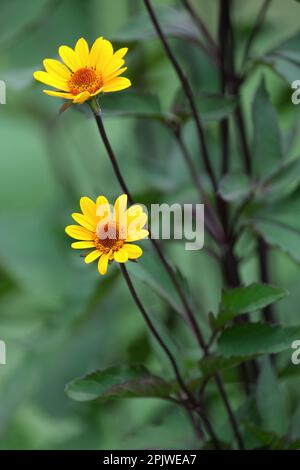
[171,358]
[211,221]
[256,28]
[202,28]
[263,251]
[229,411]
[188,92]
[240,125]
[167,266]
[224,25]
[177,285]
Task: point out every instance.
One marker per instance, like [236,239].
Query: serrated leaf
[245,300]
[256,338]
[266,136]
[117,382]
[234,187]
[250,298]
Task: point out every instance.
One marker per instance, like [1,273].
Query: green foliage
[118,382]
[245,300]
[266,137]
[61,320]
[256,338]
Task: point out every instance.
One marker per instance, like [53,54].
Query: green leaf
[279,235]
[118,382]
[245,300]
[266,136]
[271,440]
[212,364]
[256,338]
[175,23]
[250,298]
[211,106]
[234,187]
[270,397]
[282,181]
[285,59]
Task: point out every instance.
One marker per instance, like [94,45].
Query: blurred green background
[59,319]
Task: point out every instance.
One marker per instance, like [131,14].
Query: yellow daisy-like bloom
[85,73]
[108,231]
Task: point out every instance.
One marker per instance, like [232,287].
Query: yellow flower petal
[115,74]
[102,264]
[102,208]
[59,94]
[133,251]
[121,256]
[137,236]
[112,66]
[133,211]
[85,221]
[101,200]
[57,69]
[116,84]
[79,233]
[88,207]
[82,97]
[82,51]
[101,52]
[92,256]
[120,53]
[51,80]
[97,92]
[69,57]
[120,207]
[82,245]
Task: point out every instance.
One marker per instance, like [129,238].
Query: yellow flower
[109,231]
[85,73]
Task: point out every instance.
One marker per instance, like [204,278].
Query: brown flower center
[85,79]
[109,236]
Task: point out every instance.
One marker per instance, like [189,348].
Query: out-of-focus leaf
[279,235]
[212,364]
[211,106]
[234,187]
[272,441]
[285,59]
[245,300]
[152,274]
[132,104]
[266,135]
[118,382]
[271,400]
[282,181]
[256,338]
[175,23]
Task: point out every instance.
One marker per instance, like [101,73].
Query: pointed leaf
[117,382]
